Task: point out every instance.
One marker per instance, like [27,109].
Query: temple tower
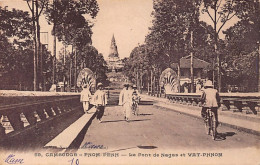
[114,63]
[113,53]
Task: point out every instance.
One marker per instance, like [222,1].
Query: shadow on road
[138,120]
[145,114]
[112,121]
[147,147]
[222,136]
[146,103]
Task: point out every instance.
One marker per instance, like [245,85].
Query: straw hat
[208,83]
[99,84]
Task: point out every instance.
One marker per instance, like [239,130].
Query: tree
[72,27]
[88,57]
[242,43]
[15,47]
[16,24]
[220,12]
[69,23]
[173,20]
[17,51]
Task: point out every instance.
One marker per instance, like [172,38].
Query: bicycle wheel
[213,126]
[134,108]
[207,124]
[137,110]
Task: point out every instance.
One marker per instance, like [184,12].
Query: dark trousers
[213,109]
[100,112]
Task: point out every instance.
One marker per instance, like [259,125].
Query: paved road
[159,128]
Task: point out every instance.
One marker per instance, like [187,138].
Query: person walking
[198,86]
[210,99]
[100,101]
[125,100]
[85,97]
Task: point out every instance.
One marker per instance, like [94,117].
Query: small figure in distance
[136,99]
[53,88]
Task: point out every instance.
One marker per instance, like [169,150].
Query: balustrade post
[225,105]
[2,129]
[189,101]
[15,120]
[40,112]
[29,115]
[194,102]
[238,105]
[61,106]
[252,106]
[48,110]
[55,108]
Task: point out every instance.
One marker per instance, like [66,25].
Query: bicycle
[135,106]
[211,123]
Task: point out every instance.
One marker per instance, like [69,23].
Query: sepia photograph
[130,82]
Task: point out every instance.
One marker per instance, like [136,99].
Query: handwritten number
[76,162]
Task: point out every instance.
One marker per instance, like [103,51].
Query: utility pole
[258,64]
[63,68]
[191,63]
[75,67]
[35,50]
[54,47]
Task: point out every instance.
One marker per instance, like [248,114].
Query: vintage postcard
[129,82]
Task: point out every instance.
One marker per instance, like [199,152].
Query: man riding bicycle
[210,100]
[135,99]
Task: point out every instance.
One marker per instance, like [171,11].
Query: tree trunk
[70,72]
[75,67]
[258,66]
[179,77]
[35,51]
[151,81]
[39,52]
[191,64]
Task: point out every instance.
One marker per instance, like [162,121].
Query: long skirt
[127,109]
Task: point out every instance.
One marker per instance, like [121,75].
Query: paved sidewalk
[245,122]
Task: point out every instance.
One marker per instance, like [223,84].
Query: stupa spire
[113,48]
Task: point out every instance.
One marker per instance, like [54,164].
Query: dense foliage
[234,58]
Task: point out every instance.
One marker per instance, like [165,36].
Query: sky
[128,20]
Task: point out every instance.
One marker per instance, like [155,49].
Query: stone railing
[229,101]
[20,110]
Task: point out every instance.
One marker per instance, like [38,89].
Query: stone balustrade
[237,102]
[24,109]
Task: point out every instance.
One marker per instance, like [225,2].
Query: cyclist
[210,99]
[136,99]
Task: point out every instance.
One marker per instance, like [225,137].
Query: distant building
[114,63]
[198,66]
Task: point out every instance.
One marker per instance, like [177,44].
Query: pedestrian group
[128,96]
